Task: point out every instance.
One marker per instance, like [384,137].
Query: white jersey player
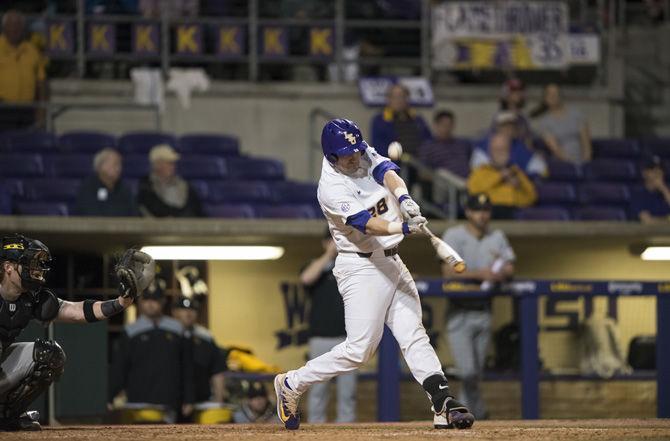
[369,212]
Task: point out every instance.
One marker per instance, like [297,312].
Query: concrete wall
[273,119]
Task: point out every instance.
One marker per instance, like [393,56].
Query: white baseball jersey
[341,196]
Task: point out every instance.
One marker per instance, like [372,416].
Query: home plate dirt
[569,430]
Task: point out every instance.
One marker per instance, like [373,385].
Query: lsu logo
[350,137]
[13,246]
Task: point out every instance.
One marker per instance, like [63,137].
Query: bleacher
[42,172]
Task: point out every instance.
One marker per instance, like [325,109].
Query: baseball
[395,150]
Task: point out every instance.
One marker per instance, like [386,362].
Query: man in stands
[651,204]
[22,75]
[103,193]
[163,193]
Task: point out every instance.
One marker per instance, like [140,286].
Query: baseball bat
[444,251]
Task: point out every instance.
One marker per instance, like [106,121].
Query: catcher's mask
[33,257]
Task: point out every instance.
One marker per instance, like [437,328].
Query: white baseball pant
[375,290]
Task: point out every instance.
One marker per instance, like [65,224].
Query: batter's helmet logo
[350,137]
[14,246]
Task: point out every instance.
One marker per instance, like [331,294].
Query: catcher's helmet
[33,256]
[341,137]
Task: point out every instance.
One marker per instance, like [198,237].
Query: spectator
[507,123]
[398,122]
[564,130]
[103,194]
[175,9]
[22,76]
[513,99]
[163,193]
[490,260]
[256,406]
[651,204]
[445,151]
[152,364]
[208,360]
[326,326]
[506,185]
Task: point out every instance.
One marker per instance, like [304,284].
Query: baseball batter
[369,212]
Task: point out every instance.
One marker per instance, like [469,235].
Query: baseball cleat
[287,403]
[453,415]
[28,422]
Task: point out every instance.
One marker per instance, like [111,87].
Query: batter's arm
[394,183]
[91,311]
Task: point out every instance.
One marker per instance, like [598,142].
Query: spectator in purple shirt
[445,151]
[651,203]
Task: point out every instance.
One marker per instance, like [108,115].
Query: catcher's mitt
[135,271]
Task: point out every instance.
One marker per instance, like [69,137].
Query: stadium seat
[563,171]
[611,170]
[209,144]
[142,142]
[86,142]
[30,141]
[543,214]
[202,167]
[552,193]
[135,166]
[18,165]
[70,165]
[12,186]
[615,148]
[599,214]
[656,146]
[42,208]
[287,211]
[256,169]
[230,210]
[49,189]
[603,193]
[294,192]
[239,191]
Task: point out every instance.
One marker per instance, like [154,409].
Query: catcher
[29,368]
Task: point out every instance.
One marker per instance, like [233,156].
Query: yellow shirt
[487,179]
[21,67]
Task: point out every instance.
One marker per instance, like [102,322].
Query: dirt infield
[573,430]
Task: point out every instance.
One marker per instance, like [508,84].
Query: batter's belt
[388,253]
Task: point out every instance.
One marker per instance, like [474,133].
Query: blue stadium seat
[42,208]
[19,165]
[611,170]
[543,214]
[86,142]
[49,189]
[600,214]
[656,146]
[615,148]
[30,141]
[603,193]
[287,211]
[563,171]
[142,142]
[12,186]
[202,167]
[294,192]
[552,193]
[135,166]
[256,169]
[239,191]
[209,144]
[69,165]
[230,210]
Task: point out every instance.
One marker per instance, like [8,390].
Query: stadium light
[656,253]
[251,252]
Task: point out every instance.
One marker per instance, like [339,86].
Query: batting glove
[414,224]
[408,207]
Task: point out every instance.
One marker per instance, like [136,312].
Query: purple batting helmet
[341,137]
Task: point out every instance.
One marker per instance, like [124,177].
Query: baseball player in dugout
[153,364]
[326,330]
[369,212]
[209,361]
[490,260]
[29,368]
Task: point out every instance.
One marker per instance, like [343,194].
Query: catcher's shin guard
[49,366]
[449,413]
